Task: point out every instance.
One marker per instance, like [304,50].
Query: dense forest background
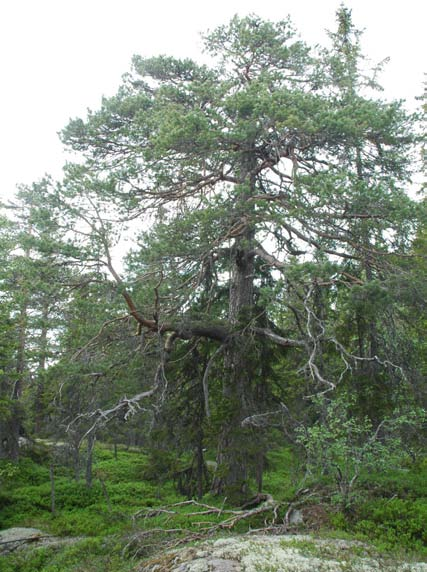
[272,302]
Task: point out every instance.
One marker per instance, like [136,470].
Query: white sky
[58,57]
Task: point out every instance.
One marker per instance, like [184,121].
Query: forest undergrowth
[128,515]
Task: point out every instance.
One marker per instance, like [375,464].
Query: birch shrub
[340,445]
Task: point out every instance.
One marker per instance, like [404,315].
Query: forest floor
[132,519]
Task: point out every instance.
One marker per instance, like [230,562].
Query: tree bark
[233,452]
[76,460]
[43,340]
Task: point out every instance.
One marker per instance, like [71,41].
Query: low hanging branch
[186,330]
[182,330]
[279,340]
[124,408]
[93,340]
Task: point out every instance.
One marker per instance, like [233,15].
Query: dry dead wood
[277,519]
[265,505]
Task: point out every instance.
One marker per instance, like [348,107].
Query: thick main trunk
[234,444]
[235,447]
[242,281]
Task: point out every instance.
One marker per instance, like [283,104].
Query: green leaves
[348,445]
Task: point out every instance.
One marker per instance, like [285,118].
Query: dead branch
[268,258]
[315,341]
[170,543]
[98,335]
[280,340]
[125,407]
[170,509]
[267,505]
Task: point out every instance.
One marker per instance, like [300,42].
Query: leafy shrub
[395,522]
[283,474]
[7,471]
[27,561]
[129,467]
[71,495]
[132,494]
[83,522]
[410,483]
[25,471]
[341,445]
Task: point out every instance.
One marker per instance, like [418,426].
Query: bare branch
[98,335]
[281,341]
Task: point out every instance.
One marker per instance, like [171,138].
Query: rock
[209,565]
[211,466]
[296,517]
[13,539]
[299,553]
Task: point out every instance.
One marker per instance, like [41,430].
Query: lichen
[278,554]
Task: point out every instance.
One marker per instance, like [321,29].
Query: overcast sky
[59,57]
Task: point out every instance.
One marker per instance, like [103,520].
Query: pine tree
[271,179]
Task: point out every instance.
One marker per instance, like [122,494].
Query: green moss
[90,555]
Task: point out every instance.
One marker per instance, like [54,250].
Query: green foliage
[391,522]
[395,523]
[409,482]
[7,471]
[26,498]
[25,471]
[283,473]
[343,445]
[89,555]
[112,470]
[271,144]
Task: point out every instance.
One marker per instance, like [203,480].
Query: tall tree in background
[36,280]
[273,180]
[378,169]
[11,412]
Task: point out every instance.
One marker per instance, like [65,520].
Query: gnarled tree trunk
[234,454]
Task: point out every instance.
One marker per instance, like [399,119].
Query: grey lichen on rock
[299,553]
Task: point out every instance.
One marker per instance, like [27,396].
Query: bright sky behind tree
[59,57]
